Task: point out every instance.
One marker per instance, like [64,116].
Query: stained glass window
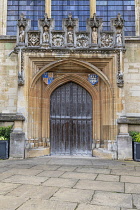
[109,9]
[33,9]
[79,9]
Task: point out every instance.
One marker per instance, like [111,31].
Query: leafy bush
[135,136]
[5,133]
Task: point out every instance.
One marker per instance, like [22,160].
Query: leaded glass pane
[79,9]
[109,9]
[33,9]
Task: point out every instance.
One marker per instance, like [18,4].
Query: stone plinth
[17,144]
[124,146]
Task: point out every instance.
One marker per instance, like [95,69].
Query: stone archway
[39,101]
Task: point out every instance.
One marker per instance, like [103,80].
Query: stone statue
[94,35]
[21,34]
[119,38]
[45,34]
[70,35]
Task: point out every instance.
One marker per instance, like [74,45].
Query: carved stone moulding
[20,79]
[58,39]
[120,80]
[33,38]
[70,22]
[82,39]
[107,40]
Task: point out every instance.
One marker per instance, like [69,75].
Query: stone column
[92,7]
[3,17]
[137,17]
[124,143]
[48,8]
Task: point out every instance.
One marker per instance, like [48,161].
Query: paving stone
[31,191]
[130,179]
[67,168]
[112,199]
[137,168]
[128,209]
[3,169]
[51,173]
[28,172]
[24,166]
[93,170]
[73,195]
[5,175]
[47,205]
[7,187]
[132,188]
[97,166]
[95,207]
[100,185]
[10,202]
[74,175]
[59,182]
[46,167]
[136,201]
[125,172]
[123,167]
[26,179]
[110,178]
[71,161]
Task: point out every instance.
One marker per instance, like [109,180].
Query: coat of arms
[48,77]
[93,78]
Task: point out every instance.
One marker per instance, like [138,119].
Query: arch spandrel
[85,64]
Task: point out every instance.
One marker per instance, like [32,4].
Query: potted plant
[136,144]
[4,141]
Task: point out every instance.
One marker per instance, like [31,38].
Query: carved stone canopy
[70,36]
[95,22]
[70,22]
[45,21]
[22,21]
[119,22]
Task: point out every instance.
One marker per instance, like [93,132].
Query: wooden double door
[71,120]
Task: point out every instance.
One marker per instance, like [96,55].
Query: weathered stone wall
[8,77]
[132,79]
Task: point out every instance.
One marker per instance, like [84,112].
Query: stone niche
[70,36]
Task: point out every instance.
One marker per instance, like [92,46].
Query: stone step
[37,152]
[104,153]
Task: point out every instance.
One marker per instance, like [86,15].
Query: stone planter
[136,151]
[4,149]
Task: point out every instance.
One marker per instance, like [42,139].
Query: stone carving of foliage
[58,40]
[82,40]
[33,39]
[106,40]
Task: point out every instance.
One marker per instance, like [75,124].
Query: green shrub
[5,133]
[135,136]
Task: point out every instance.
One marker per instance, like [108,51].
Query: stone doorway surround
[35,95]
[70,55]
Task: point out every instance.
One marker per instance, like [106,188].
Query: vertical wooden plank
[71,127]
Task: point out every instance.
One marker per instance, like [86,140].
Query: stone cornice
[70,50]
[129,120]
[8,38]
[11,117]
[132,39]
